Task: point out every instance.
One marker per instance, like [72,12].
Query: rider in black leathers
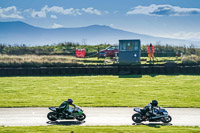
[64,107]
[149,108]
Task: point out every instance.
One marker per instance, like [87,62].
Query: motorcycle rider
[149,108]
[64,107]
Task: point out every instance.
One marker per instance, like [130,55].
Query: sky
[162,18]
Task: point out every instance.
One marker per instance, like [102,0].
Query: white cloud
[43,12]
[53,16]
[10,12]
[39,14]
[91,10]
[56,25]
[54,9]
[164,10]
[185,35]
[61,10]
[64,11]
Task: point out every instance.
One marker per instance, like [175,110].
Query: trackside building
[129,51]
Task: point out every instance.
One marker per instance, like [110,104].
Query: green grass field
[92,91]
[100,129]
[60,60]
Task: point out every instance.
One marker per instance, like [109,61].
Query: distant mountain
[21,33]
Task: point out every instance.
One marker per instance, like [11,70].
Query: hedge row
[100,70]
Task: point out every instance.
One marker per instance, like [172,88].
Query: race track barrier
[102,70]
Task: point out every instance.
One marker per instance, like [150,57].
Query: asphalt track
[95,116]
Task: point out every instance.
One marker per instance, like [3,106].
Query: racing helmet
[154,103]
[70,101]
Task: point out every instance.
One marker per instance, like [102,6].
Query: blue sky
[164,18]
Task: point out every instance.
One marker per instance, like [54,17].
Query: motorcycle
[56,114]
[161,116]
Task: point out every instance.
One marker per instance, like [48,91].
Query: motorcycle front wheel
[81,117]
[167,120]
[52,116]
[137,118]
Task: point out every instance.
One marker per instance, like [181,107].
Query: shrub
[190,59]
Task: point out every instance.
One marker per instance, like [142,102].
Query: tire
[52,116]
[137,118]
[169,119]
[81,117]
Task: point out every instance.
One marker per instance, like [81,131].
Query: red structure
[80,53]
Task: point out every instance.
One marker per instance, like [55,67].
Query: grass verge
[62,61]
[101,91]
[100,129]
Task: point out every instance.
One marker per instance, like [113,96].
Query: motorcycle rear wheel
[52,116]
[81,117]
[169,119]
[137,118]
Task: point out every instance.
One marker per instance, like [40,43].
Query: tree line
[68,48]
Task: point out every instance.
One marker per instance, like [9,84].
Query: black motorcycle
[77,113]
[161,116]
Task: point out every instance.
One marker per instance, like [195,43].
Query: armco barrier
[101,70]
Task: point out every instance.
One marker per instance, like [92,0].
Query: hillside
[18,32]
